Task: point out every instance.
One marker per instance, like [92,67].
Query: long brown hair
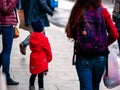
[79,7]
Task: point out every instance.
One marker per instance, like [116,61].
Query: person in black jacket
[34,10]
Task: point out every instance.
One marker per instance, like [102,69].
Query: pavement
[62,13]
[62,74]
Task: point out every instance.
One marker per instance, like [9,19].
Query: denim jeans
[90,71]
[7,41]
[26,41]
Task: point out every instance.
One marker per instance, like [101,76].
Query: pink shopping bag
[111,76]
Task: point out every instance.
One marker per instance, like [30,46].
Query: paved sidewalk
[62,13]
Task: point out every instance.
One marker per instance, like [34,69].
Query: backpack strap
[99,10]
[74,53]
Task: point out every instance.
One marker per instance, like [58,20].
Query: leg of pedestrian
[24,44]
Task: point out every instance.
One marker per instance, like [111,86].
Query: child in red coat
[40,55]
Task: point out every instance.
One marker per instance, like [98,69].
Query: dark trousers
[40,80]
[119,41]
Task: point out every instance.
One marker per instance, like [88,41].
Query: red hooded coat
[40,53]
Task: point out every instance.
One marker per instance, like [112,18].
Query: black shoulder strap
[74,53]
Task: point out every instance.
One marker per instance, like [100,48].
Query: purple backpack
[92,34]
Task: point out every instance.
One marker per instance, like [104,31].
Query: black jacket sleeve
[43,4]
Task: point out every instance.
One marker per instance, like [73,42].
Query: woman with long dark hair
[90,66]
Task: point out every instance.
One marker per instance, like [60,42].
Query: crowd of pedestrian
[90,26]
[36,10]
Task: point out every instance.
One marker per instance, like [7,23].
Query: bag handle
[106,74]
[16,14]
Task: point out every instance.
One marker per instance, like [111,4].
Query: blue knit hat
[37,26]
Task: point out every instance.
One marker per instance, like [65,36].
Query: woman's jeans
[26,41]
[90,71]
[7,41]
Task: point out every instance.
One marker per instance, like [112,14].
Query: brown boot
[22,49]
[31,88]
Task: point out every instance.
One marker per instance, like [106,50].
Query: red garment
[7,15]
[111,28]
[40,53]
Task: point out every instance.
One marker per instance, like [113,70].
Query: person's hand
[113,16]
[45,73]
